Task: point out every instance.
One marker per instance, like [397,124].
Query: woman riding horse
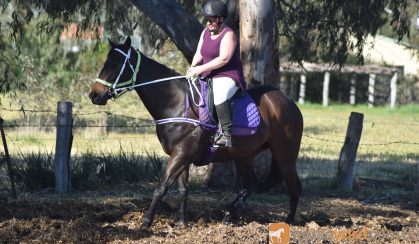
[186,141]
[217,57]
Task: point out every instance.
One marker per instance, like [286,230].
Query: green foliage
[11,68]
[314,30]
[124,19]
[31,56]
[45,68]
[412,40]
[35,171]
[326,31]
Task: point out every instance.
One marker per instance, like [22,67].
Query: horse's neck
[162,100]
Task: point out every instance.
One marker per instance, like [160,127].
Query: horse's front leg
[183,196]
[174,168]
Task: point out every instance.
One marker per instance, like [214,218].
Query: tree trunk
[233,16]
[258,42]
[182,27]
[260,58]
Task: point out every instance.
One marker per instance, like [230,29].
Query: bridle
[117,88]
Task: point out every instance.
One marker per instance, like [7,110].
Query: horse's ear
[128,42]
[113,45]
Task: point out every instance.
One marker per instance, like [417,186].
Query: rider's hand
[193,71]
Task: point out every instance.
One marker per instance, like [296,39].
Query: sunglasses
[210,19]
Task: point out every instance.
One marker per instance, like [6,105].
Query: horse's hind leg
[245,170]
[285,156]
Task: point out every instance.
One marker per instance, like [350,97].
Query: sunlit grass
[387,134]
[83,142]
[388,150]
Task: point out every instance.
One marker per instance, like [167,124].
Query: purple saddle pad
[245,113]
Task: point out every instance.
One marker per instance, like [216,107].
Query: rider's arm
[197,58]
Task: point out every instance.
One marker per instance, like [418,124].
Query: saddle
[245,116]
[245,113]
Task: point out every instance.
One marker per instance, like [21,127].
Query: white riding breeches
[224,88]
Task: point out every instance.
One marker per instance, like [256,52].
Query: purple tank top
[210,49]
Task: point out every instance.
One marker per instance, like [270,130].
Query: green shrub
[35,171]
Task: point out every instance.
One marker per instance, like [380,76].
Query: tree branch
[181,27]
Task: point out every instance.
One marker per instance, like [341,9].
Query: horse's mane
[180,83]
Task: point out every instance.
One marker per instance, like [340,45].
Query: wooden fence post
[302,94]
[8,161]
[371,88]
[62,147]
[393,90]
[352,92]
[326,83]
[346,164]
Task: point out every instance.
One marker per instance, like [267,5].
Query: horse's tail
[274,179]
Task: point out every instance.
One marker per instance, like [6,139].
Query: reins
[191,82]
[116,89]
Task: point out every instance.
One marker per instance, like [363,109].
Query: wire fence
[323,139]
[329,138]
[318,137]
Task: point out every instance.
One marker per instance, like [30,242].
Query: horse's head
[118,73]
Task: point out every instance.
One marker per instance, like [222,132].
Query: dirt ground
[112,217]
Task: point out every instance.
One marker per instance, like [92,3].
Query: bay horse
[280,128]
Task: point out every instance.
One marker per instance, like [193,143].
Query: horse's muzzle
[97,99]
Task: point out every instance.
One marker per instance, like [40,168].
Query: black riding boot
[224,117]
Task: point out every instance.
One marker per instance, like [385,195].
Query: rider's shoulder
[228,30]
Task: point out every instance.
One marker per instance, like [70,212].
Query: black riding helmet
[215,8]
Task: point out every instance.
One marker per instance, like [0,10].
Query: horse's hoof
[181,224]
[145,225]
[289,220]
[228,218]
